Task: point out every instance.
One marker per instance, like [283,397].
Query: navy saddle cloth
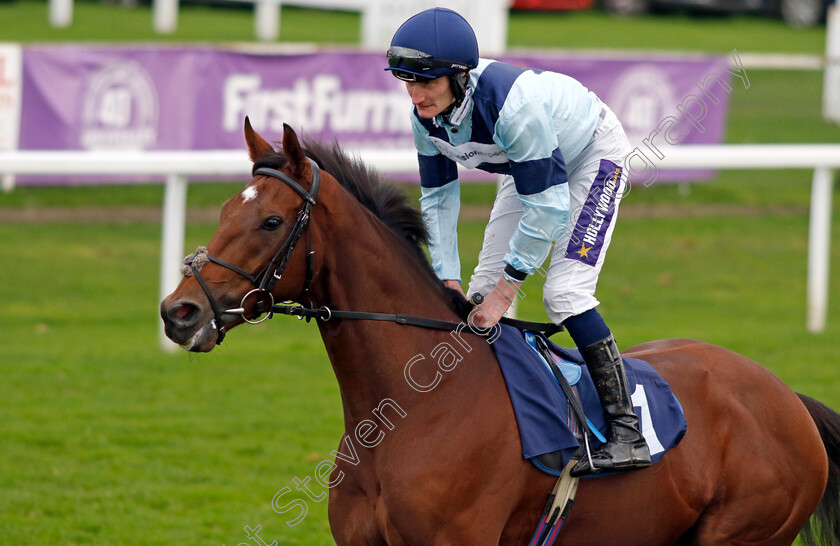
[545,418]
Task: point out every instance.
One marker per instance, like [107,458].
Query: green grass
[106,440]
[26,21]
[594,29]
[780,106]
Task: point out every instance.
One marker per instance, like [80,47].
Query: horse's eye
[272,222]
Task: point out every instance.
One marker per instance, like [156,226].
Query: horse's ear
[294,154]
[257,146]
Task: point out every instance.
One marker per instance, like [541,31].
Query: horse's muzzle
[189,325]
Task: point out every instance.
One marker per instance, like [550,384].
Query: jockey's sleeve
[526,132]
[440,207]
[440,203]
[544,217]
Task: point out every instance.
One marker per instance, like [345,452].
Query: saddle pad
[542,411]
[571,371]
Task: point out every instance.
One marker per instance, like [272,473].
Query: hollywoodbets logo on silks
[596,215]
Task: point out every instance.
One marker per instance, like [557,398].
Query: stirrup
[639,457]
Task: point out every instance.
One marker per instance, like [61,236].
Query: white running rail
[177,165]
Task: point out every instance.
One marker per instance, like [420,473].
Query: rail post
[172,244]
[819,249]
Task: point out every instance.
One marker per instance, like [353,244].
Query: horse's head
[253,258]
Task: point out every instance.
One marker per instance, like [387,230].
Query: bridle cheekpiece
[265,280]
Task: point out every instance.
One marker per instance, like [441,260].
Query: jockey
[561,150]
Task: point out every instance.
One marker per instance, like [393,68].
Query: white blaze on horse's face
[249,193]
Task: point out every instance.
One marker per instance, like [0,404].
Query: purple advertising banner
[165,98]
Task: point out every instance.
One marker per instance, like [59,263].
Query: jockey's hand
[456,286]
[495,304]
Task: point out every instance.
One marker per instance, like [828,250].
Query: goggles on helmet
[411,59]
[409,77]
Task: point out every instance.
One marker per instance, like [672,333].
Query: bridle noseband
[265,280]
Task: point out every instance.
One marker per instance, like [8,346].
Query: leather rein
[265,280]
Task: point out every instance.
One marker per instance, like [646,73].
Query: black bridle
[265,280]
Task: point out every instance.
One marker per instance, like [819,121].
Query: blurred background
[107,438]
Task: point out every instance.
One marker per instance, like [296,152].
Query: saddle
[548,424]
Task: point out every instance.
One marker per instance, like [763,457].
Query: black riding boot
[626,448]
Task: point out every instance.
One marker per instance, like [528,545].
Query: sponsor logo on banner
[640,97]
[317,104]
[120,108]
[10,95]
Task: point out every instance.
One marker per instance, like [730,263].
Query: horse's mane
[385,201]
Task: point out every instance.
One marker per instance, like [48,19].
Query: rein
[325,314]
[265,280]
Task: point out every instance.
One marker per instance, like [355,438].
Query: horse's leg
[460,484]
[462,508]
[773,466]
[757,463]
[767,503]
[735,523]
[466,529]
[352,518]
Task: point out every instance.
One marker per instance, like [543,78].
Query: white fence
[380,18]
[177,165]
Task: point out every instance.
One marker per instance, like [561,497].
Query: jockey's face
[430,97]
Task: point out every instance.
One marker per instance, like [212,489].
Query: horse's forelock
[271,160]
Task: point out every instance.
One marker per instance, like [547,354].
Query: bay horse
[443,464]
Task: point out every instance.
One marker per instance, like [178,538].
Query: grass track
[26,21]
[107,441]
[104,440]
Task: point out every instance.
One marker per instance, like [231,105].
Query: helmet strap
[458,83]
[456,111]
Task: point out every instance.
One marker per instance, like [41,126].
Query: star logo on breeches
[584,251]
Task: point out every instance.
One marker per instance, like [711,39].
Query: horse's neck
[366,268]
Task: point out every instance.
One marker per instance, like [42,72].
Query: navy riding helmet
[434,43]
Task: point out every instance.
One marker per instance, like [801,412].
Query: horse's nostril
[183,313]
